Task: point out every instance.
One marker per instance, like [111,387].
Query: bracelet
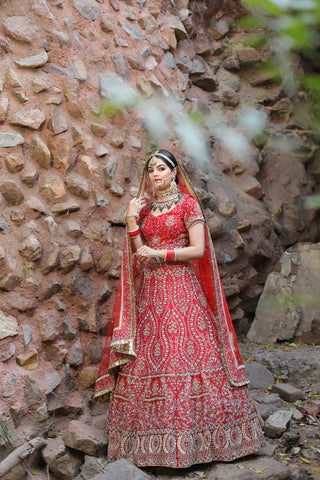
[134,233]
[132,215]
[170,255]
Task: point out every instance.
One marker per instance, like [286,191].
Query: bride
[171,361]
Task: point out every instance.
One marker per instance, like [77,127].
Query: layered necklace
[168,199]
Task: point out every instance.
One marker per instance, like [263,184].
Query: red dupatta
[119,346]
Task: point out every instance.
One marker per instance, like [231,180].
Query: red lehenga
[180,395]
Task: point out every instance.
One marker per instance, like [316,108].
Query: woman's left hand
[144,253]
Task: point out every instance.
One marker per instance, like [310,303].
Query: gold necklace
[167,200]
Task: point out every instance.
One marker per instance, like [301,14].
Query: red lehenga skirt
[173,405]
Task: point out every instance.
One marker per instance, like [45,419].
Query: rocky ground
[284,377]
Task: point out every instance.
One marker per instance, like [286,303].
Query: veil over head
[119,346]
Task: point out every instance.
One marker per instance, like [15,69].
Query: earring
[173,186]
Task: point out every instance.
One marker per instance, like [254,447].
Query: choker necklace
[166,200]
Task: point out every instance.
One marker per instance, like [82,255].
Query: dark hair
[162,154]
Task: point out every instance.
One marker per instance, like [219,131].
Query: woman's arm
[192,252]
[131,220]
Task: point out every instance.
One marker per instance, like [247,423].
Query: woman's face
[160,174]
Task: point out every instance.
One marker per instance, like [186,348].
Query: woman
[180,395]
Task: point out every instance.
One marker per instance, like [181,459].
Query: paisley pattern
[173,405]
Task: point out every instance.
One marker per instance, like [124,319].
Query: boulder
[277,423]
[288,307]
[259,375]
[85,438]
[61,462]
[122,470]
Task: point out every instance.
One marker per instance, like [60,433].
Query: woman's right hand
[135,205]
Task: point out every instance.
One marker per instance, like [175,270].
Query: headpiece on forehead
[161,154]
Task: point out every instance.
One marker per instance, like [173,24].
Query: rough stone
[86,261]
[288,392]
[147,22]
[91,467]
[14,162]
[29,118]
[49,328]
[27,335]
[120,66]
[31,248]
[9,354]
[66,207]
[124,470]
[39,151]
[56,355]
[248,56]
[259,375]
[9,139]
[85,438]
[202,76]
[250,469]
[76,354]
[52,188]
[57,122]
[78,186]
[87,377]
[41,9]
[157,41]
[8,325]
[21,96]
[87,8]
[4,228]
[231,64]
[35,61]
[115,5]
[170,38]
[176,24]
[28,360]
[39,85]
[36,205]
[132,30]
[13,79]
[107,24]
[105,261]
[52,380]
[277,423]
[20,28]
[230,98]
[10,281]
[4,107]
[251,186]
[32,392]
[105,292]
[73,228]
[69,257]
[81,285]
[52,289]
[51,258]
[69,332]
[226,208]
[62,463]
[11,192]
[98,129]
[10,383]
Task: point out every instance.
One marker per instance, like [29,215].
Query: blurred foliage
[165,116]
[289,28]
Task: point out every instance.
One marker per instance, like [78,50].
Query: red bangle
[134,233]
[170,255]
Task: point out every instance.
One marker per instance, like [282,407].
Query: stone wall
[66,175]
